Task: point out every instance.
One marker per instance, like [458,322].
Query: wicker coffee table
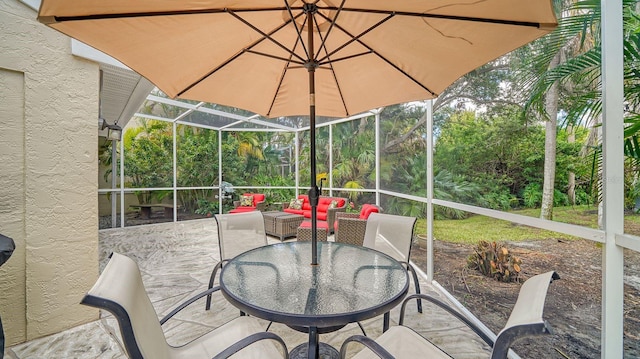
[281,224]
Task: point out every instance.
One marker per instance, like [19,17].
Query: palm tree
[579,77]
[354,156]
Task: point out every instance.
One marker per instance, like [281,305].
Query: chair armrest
[188,302]
[236,204]
[331,215]
[242,343]
[350,221]
[476,329]
[285,205]
[367,342]
[346,215]
[261,206]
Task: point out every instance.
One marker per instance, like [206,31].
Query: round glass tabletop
[350,283]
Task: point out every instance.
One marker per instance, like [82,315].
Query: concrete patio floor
[176,260]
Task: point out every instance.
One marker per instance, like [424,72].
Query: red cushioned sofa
[258,203]
[324,212]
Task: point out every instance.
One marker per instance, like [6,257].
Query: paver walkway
[176,260]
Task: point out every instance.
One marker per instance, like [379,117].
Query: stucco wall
[48,177]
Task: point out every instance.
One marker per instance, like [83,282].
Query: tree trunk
[571,191]
[551,108]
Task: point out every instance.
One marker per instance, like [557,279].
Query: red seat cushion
[294,211]
[258,197]
[242,209]
[307,224]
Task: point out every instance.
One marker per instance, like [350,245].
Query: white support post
[429,190]
[330,182]
[114,172]
[297,154]
[613,179]
[377,113]
[121,183]
[175,172]
[220,199]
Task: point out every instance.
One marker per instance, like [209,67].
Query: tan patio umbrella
[350,56]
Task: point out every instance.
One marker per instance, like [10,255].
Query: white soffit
[123,91]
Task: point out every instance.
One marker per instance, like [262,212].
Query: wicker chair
[350,227]
[259,203]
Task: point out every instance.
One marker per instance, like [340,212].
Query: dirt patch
[573,303]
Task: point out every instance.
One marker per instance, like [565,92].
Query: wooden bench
[145,209]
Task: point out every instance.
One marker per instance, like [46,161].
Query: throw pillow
[333,204]
[295,204]
[246,201]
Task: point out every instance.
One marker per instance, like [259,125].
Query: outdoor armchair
[120,290]
[350,227]
[393,236]
[250,202]
[525,320]
[237,233]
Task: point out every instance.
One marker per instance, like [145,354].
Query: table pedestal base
[326,352]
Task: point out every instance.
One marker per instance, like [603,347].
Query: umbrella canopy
[350,55]
[251,54]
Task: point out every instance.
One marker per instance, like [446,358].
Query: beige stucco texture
[48,177]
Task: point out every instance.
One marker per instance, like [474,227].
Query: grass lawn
[476,227]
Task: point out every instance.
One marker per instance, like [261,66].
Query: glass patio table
[349,284]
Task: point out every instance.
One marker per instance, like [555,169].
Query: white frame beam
[613,179]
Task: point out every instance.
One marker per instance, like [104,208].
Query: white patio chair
[392,235]
[120,290]
[237,233]
[402,342]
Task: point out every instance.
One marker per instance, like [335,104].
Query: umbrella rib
[284,71]
[246,49]
[388,62]
[295,25]
[331,61]
[289,60]
[54,19]
[332,21]
[268,36]
[333,72]
[354,38]
[441,16]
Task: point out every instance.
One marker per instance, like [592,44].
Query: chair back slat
[526,316]
[240,232]
[120,290]
[390,234]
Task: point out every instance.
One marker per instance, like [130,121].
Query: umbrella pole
[314,194]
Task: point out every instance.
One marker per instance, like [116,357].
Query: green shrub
[532,195]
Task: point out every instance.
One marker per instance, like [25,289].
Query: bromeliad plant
[494,260]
